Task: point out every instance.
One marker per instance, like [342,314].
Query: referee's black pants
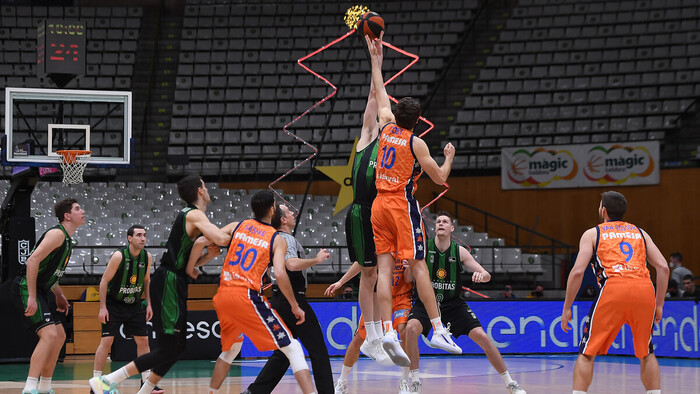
[310,335]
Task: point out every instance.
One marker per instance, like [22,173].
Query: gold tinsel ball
[353,14]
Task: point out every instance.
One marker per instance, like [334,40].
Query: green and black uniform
[124,296]
[445,268]
[358,224]
[51,269]
[168,293]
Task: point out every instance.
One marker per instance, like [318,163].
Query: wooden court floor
[439,374]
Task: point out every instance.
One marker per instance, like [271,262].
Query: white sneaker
[514,388]
[442,339]
[341,387]
[392,346]
[99,386]
[416,387]
[404,386]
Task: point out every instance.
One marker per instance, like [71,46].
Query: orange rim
[70,155]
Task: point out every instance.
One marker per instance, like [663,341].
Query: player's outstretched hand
[330,291]
[659,314]
[299,314]
[480,277]
[375,47]
[449,150]
[565,319]
[322,256]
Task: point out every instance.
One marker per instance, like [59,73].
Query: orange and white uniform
[396,220]
[240,305]
[400,297]
[627,295]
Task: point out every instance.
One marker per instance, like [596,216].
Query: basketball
[370,24]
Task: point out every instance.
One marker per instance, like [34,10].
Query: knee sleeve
[231,354]
[295,355]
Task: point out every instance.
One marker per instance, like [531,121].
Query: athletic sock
[415,377]
[31,384]
[147,387]
[404,372]
[387,327]
[506,377]
[378,328]
[44,384]
[437,324]
[96,374]
[144,374]
[344,374]
[654,391]
[213,391]
[578,392]
[117,376]
[371,332]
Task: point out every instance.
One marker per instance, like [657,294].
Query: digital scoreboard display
[61,47]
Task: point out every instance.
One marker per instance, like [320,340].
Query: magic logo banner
[586,165]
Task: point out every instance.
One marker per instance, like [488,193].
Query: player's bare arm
[197,259]
[585,253]
[297,264]
[407,274]
[480,275]
[279,250]
[147,287]
[354,269]
[370,127]
[437,174]
[197,222]
[376,52]
[657,260]
[110,271]
[52,241]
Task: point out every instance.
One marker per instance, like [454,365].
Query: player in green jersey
[445,259]
[30,292]
[126,278]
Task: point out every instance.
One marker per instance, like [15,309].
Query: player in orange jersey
[401,291]
[396,218]
[618,252]
[241,307]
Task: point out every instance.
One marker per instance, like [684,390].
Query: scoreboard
[61,47]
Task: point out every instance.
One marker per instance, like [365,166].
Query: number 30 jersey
[620,251]
[397,167]
[248,255]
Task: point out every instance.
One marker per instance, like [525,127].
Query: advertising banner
[585,165]
[516,327]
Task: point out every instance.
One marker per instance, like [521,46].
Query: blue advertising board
[524,327]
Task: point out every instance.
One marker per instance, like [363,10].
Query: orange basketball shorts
[245,311]
[621,301]
[401,306]
[398,226]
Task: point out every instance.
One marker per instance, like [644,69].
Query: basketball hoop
[73,163]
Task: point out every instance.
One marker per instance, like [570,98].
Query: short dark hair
[261,202]
[672,283]
[677,255]
[63,207]
[276,221]
[615,204]
[406,113]
[445,213]
[689,277]
[188,187]
[130,231]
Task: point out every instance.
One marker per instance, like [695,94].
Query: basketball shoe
[514,388]
[404,386]
[99,386]
[442,339]
[392,346]
[341,387]
[375,351]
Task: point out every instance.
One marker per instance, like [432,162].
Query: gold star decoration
[343,176]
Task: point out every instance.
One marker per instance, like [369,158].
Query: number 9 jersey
[248,255]
[620,251]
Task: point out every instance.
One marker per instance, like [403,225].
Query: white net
[73,164]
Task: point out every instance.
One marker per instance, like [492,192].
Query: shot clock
[61,47]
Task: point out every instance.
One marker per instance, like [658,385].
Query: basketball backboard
[39,122]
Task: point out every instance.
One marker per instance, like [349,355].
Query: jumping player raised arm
[618,252]
[396,219]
